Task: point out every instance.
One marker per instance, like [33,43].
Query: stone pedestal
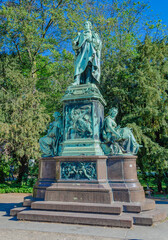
[94,179]
[83,119]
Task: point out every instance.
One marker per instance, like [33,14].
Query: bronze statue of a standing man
[87,47]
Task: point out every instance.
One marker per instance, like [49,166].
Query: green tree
[54,79]
[140,92]
[150,88]
[33,28]
[38,32]
[33,35]
[22,116]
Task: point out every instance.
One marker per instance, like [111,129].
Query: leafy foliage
[15,188]
[36,27]
[30,81]
[54,79]
[22,116]
[140,92]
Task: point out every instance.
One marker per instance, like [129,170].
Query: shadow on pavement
[6,207]
[161,202]
[13,219]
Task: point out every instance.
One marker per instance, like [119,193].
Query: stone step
[14,211]
[114,208]
[27,201]
[76,218]
[138,207]
[147,218]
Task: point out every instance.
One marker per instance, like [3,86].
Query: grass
[13,187]
[161,195]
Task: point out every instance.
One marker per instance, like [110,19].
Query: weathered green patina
[50,144]
[117,140]
[83,118]
[83,92]
[78,170]
[87,47]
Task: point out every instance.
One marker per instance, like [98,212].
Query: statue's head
[113,112]
[56,115]
[87,25]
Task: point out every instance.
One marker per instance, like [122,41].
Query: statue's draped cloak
[87,51]
[123,136]
[49,144]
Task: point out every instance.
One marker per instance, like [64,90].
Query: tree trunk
[159,183]
[23,169]
[2,176]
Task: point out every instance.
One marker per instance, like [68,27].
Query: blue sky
[160,8]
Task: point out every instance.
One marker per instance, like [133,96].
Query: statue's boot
[77,81]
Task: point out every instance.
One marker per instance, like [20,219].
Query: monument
[87,173]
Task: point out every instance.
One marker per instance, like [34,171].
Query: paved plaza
[11,229]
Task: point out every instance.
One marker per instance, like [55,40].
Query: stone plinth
[94,190]
[122,178]
[98,179]
[83,119]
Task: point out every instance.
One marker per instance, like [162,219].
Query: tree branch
[16,45]
[51,21]
[48,26]
[41,68]
[30,56]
